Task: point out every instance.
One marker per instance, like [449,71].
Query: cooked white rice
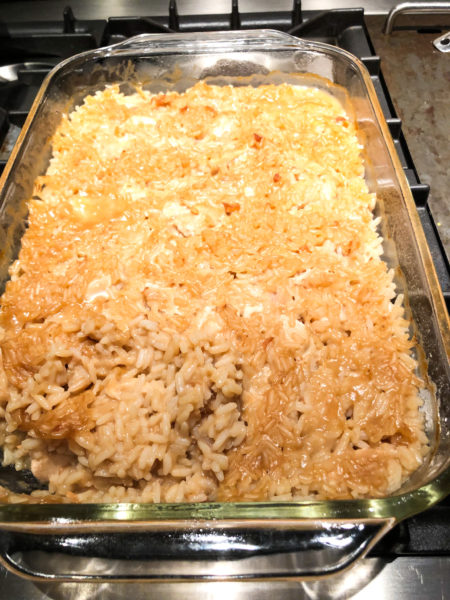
[199,310]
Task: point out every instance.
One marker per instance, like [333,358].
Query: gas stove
[416,552]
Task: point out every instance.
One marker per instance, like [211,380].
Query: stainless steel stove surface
[413,560]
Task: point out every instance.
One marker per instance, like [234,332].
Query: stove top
[28,51]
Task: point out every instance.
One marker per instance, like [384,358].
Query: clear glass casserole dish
[265,540]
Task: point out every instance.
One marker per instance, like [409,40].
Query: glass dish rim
[398,507]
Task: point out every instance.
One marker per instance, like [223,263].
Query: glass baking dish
[213,541]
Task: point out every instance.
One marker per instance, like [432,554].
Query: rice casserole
[200,309]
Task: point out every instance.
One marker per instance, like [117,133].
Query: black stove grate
[34,48]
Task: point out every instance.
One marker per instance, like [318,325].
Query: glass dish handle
[213,40]
[234,551]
